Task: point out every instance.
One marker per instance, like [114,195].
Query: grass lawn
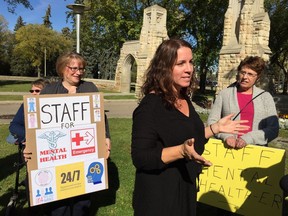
[14,86]
[24,86]
[115,201]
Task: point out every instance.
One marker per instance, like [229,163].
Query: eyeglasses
[250,75]
[37,91]
[75,69]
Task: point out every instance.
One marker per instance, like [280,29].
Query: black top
[58,88]
[164,189]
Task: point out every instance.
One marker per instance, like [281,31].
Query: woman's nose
[189,68]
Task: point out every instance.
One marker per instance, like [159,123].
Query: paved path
[115,108]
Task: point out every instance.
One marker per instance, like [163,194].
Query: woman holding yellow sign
[249,103]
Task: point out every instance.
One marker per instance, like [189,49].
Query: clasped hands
[236,143]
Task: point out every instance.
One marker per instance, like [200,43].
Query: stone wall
[246,32]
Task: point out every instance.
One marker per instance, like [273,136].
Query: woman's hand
[26,155]
[108,146]
[240,143]
[231,141]
[226,125]
[189,152]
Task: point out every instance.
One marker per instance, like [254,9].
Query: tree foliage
[46,19]
[194,22]
[32,41]
[19,23]
[278,41]
[6,43]
[109,23]
[104,29]
[13,4]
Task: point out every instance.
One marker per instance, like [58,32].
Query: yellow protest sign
[245,181]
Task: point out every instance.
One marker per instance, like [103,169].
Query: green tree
[66,32]
[278,40]
[206,33]
[46,19]
[6,39]
[19,23]
[32,41]
[110,23]
[104,28]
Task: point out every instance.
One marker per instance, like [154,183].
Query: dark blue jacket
[17,125]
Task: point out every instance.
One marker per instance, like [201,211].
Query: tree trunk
[38,72]
[285,84]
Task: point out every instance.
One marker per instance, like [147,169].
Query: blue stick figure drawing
[31,105]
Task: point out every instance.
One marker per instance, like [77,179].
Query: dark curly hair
[159,73]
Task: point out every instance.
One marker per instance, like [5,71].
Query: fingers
[191,154]
[242,121]
[190,142]
[229,116]
[240,143]
[108,144]
[108,147]
[203,161]
[27,156]
[241,127]
[108,154]
[238,128]
[231,144]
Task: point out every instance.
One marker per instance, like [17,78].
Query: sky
[58,15]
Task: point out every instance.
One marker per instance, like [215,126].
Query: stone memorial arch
[246,32]
[153,32]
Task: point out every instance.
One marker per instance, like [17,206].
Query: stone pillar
[128,55]
[153,32]
[246,32]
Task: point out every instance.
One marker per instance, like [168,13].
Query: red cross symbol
[77,139]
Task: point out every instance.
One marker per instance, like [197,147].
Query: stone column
[153,32]
[246,32]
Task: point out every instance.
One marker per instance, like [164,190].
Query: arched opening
[133,77]
[128,78]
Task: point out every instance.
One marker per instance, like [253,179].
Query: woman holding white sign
[71,69]
[168,136]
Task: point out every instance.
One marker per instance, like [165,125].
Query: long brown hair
[159,73]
